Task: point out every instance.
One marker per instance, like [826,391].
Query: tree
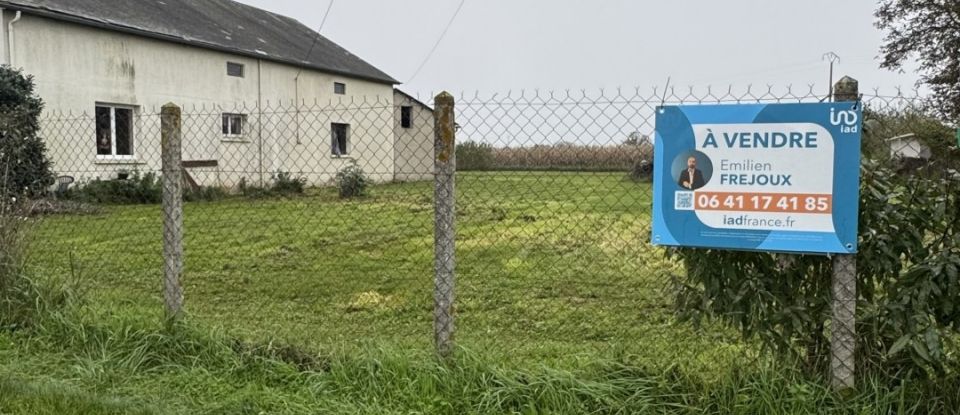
[930,31]
[24,167]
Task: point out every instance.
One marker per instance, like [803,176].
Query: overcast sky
[500,45]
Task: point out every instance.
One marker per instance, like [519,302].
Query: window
[406,117]
[340,139]
[235,69]
[339,88]
[233,125]
[114,131]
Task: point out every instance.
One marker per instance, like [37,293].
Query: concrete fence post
[444,223]
[172,180]
[843,341]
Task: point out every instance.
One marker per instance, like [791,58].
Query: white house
[260,92]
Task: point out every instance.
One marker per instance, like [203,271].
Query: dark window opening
[406,117]
[339,88]
[233,124]
[235,69]
[114,131]
[340,139]
[124,131]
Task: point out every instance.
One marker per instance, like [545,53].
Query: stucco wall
[414,146]
[76,67]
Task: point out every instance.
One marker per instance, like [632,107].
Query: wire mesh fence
[314,223]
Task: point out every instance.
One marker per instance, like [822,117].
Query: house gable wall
[415,145]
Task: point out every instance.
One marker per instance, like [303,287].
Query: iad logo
[848,121]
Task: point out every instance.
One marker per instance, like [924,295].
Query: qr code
[683,201]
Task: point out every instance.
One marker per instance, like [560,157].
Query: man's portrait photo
[691,178]
[692,170]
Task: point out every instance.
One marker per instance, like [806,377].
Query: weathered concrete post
[170,131]
[445,165]
[843,342]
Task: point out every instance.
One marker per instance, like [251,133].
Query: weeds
[207,372]
[282,184]
[352,181]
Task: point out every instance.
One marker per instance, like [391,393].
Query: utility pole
[832,58]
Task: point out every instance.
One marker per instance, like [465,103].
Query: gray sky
[500,45]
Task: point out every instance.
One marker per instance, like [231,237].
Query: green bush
[248,190]
[907,279]
[285,184]
[137,189]
[352,181]
[282,184]
[642,171]
[25,167]
[473,156]
[887,123]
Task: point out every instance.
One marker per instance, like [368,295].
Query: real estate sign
[762,177]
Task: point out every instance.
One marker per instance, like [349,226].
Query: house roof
[413,99]
[223,25]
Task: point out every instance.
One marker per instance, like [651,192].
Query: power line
[436,45]
[317,37]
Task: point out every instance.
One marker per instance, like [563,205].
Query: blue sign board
[758,177]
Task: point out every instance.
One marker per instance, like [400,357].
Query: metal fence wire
[552,210]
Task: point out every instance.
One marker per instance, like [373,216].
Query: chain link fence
[314,223]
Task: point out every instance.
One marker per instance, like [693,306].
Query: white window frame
[113,132]
[231,117]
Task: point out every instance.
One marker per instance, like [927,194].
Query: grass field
[549,265]
[316,305]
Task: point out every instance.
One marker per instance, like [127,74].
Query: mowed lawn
[552,268]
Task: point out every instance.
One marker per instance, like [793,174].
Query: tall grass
[553,157]
[195,370]
[15,306]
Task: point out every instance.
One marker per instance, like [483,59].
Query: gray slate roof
[223,25]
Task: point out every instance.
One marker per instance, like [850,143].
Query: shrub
[285,184]
[22,152]
[642,171]
[474,156]
[886,123]
[137,189]
[907,279]
[248,190]
[352,181]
